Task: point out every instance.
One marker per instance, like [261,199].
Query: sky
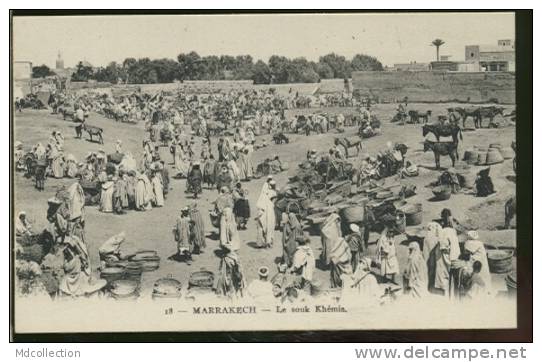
[392,38]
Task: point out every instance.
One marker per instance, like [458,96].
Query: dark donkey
[444,130]
[441,149]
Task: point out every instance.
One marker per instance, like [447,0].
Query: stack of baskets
[488,156]
[148,259]
[112,273]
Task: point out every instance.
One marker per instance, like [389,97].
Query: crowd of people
[438,265]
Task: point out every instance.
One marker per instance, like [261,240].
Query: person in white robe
[158,189]
[106,199]
[266,218]
[477,251]
[386,255]
[361,288]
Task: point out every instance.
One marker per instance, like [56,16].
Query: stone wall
[433,87]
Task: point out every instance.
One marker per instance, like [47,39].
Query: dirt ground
[153,229]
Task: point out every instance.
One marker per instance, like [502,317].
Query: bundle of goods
[353,214]
[465,176]
[500,261]
[34,247]
[167,288]
[133,270]
[215,218]
[494,156]
[149,259]
[124,289]
[92,190]
[115,158]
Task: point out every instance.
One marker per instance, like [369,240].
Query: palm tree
[437,43]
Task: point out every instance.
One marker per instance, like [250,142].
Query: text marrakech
[225,310]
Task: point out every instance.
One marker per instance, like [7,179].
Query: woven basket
[471,157]
[482,158]
[202,278]
[442,193]
[414,219]
[494,156]
[284,166]
[500,261]
[413,214]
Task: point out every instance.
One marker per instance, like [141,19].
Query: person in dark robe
[209,171]
[185,245]
[484,184]
[194,180]
[231,280]
[357,245]
[198,229]
[165,177]
[241,206]
[119,195]
[291,232]
[131,181]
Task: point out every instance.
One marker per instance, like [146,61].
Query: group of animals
[455,115]
[92,131]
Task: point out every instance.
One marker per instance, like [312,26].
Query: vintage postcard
[252,172]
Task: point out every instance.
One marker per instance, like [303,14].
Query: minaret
[59,61]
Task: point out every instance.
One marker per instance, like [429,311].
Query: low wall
[432,87]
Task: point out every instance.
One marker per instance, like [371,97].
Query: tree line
[191,66]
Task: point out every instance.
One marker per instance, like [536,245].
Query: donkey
[349,142]
[441,149]
[94,131]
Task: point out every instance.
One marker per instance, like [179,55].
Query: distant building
[60,70]
[410,67]
[493,58]
[445,66]
[59,61]
[22,78]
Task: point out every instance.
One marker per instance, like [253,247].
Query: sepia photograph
[264,172]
